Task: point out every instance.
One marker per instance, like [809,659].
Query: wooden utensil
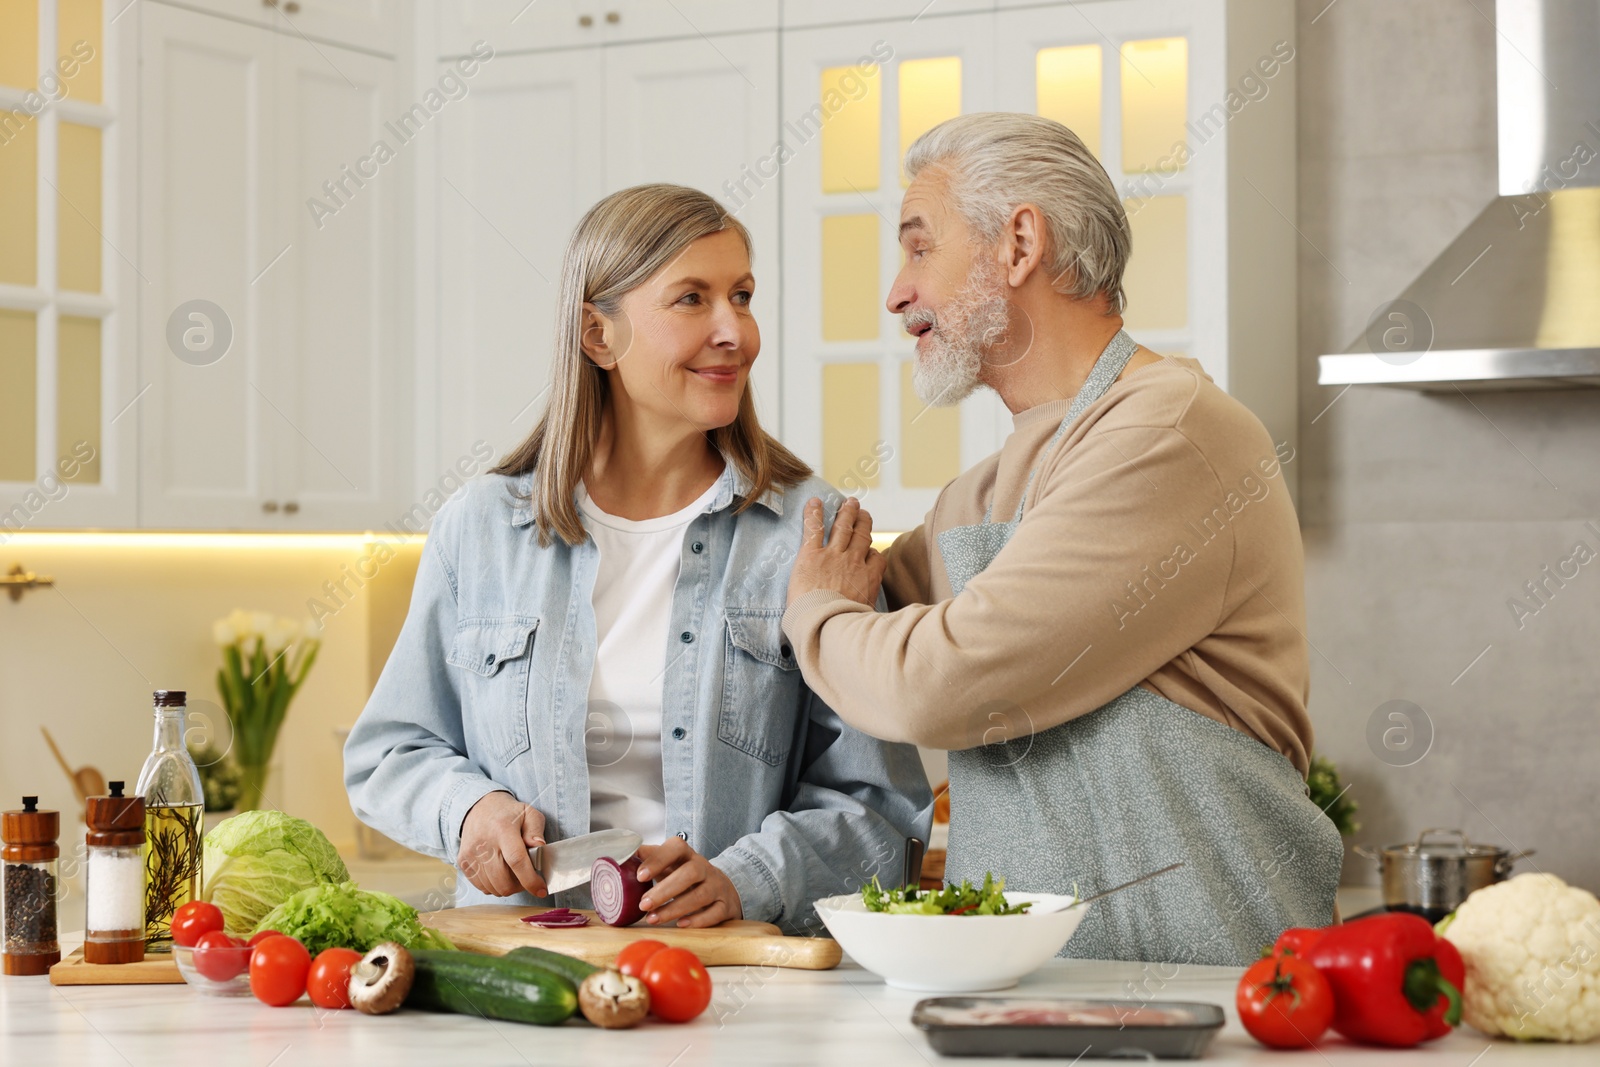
[495,929]
[86,781]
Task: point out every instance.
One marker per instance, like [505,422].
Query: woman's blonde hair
[619,244]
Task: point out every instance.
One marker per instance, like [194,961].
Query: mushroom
[380,981]
[613,1000]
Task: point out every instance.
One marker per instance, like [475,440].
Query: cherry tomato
[1284,1002]
[678,983]
[631,960]
[1297,940]
[220,957]
[193,919]
[278,970]
[329,981]
[262,936]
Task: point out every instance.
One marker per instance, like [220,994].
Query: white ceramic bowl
[952,953]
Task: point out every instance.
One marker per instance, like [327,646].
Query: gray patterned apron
[1134,785]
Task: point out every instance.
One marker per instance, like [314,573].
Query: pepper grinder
[28,915]
[115,886]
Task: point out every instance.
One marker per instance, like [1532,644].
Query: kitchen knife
[565,864]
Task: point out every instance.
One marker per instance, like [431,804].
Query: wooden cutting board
[152,970]
[495,929]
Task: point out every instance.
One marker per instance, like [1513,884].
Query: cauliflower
[1532,950]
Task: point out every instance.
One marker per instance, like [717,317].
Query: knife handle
[536,853]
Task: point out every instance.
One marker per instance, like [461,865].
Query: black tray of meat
[1048,1026]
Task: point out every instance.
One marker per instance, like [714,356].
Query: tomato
[278,970]
[1297,941]
[631,960]
[262,936]
[329,980]
[678,983]
[193,919]
[220,957]
[1284,1002]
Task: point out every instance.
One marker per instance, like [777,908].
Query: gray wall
[1422,514]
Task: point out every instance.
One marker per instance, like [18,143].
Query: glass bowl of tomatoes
[209,959]
[217,964]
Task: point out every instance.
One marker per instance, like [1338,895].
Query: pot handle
[1367,852]
[1460,837]
[1502,867]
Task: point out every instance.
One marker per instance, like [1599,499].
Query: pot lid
[1443,844]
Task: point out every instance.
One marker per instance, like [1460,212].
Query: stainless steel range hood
[1514,301]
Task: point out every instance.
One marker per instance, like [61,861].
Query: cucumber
[571,968]
[491,987]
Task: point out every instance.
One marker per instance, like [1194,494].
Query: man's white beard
[968,327]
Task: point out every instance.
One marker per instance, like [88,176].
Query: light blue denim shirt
[487,688]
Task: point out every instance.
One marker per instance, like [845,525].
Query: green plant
[265,660]
[219,777]
[1333,798]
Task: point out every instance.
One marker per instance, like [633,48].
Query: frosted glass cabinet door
[699,112]
[65,341]
[853,97]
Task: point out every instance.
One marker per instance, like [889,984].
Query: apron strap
[1101,377]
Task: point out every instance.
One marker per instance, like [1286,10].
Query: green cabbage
[258,859]
[343,916]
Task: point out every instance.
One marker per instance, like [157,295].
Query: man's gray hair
[999,159]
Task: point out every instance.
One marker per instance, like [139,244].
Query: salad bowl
[949,953]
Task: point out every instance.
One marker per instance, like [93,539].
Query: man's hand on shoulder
[846,563]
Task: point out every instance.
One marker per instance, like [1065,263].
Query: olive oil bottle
[173,804]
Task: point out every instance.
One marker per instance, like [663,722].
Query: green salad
[961,899]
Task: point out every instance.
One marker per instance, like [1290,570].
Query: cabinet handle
[292,8]
[613,18]
[269,506]
[291,508]
[586,21]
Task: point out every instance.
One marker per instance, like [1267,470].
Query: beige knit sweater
[1159,547]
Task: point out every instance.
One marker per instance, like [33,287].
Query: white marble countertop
[843,1016]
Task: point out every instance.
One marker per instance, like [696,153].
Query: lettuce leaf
[345,916]
[258,859]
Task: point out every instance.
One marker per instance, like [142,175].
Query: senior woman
[594,639]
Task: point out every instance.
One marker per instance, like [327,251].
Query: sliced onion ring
[616,891]
[557,918]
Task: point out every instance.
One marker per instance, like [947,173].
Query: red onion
[557,918]
[616,891]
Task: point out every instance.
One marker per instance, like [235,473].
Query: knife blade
[565,864]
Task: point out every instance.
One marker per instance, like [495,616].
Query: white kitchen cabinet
[371,25]
[539,140]
[1190,107]
[812,13]
[523,26]
[701,112]
[263,197]
[520,160]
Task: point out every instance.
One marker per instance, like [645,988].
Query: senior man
[1103,622]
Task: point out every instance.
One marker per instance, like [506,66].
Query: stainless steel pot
[1435,873]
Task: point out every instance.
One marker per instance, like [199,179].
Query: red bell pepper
[1394,981]
[1453,970]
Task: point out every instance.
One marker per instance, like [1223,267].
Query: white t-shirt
[632,612]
